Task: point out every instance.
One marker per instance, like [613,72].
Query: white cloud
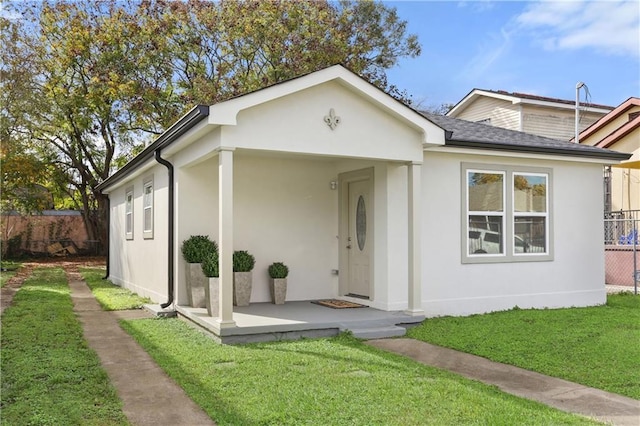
[489,52]
[611,27]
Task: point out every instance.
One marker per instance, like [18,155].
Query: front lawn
[49,374]
[338,381]
[596,346]
[7,270]
[111,297]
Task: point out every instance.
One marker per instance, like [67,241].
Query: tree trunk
[95,222]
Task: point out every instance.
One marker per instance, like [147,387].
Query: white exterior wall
[140,264]
[574,278]
[285,210]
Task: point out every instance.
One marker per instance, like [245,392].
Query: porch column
[225,236]
[414,180]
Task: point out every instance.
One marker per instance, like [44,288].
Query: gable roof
[467,134]
[226,112]
[523,98]
[437,130]
[616,134]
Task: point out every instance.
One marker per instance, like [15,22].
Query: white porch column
[414,180]
[225,236]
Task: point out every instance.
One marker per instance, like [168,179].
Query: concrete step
[378,332]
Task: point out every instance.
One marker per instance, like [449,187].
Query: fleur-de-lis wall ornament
[332,119]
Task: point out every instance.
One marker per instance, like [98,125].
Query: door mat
[337,304]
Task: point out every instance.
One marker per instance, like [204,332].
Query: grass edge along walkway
[561,394]
[149,396]
[593,346]
[326,382]
[49,374]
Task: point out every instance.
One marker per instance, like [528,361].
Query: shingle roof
[467,134]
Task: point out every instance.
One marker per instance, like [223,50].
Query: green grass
[111,297]
[11,270]
[49,374]
[338,381]
[596,346]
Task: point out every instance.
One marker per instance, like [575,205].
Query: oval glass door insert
[361,223]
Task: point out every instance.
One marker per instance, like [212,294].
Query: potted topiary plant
[243,263]
[278,272]
[211,270]
[194,250]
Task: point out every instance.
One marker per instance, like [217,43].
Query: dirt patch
[69,264]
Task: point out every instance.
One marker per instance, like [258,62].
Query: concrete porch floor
[262,322]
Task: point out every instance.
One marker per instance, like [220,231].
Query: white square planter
[196,282]
[212,295]
[242,282]
[278,287]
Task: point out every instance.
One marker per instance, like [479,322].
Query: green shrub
[197,247]
[243,261]
[211,265]
[278,270]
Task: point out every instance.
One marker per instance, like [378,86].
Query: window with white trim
[128,214]
[147,209]
[506,214]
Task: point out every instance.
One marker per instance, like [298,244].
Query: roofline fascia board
[476,93]
[448,149]
[619,133]
[612,115]
[514,99]
[559,105]
[180,127]
[606,155]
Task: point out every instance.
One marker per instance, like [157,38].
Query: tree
[87,84]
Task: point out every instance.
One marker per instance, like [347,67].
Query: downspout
[106,277]
[170,282]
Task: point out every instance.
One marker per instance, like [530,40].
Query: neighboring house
[620,131]
[328,173]
[538,115]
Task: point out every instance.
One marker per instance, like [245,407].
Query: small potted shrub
[278,272]
[243,263]
[211,270]
[194,250]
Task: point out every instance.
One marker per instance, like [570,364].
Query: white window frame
[508,251]
[128,213]
[147,205]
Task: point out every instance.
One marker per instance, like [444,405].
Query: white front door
[360,238]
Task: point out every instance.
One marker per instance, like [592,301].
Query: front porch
[262,322]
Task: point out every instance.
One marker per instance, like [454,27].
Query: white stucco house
[365,200]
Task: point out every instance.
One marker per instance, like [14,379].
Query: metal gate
[622,248]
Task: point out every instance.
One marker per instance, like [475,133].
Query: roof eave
[180,127]
[495,146]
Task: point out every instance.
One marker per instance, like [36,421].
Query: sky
[537,47]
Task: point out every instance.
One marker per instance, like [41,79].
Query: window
[506,214]
[147,209]
[128,215]
[530,213]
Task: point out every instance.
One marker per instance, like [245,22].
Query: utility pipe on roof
[578,86]
[170,251]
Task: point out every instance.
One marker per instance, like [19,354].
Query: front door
[360,238]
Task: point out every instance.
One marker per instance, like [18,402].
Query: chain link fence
[622,249]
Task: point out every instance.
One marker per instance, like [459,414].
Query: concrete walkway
[149,396]
[561,394]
